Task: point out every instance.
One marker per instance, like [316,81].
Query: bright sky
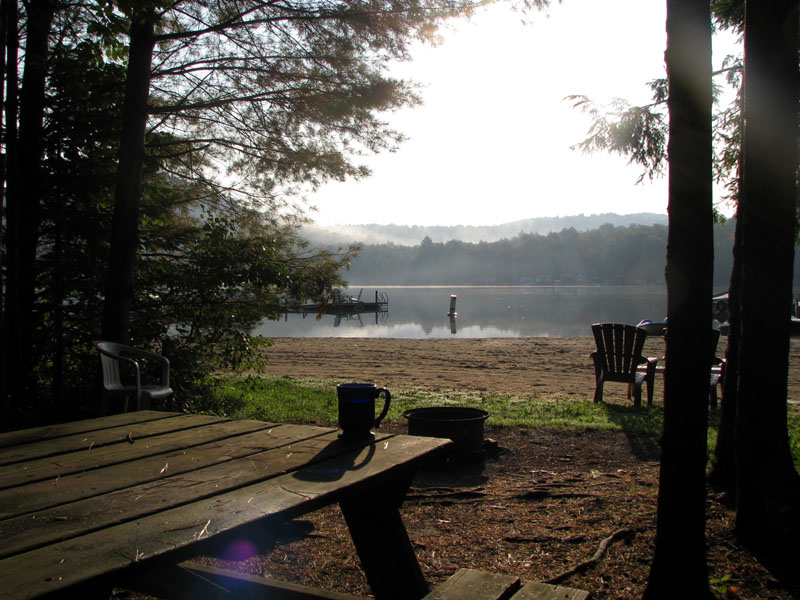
[491,144]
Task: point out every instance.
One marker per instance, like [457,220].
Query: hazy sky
[491,143]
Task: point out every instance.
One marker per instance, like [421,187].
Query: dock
[344,305]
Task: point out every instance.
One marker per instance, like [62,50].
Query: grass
[283,399]
[308,400]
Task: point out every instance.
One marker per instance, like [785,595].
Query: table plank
[175,531]
[55,467]
[48,432]
[84,516]
[255,437]
[103,437]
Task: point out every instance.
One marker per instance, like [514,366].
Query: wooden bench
[472,584]
[192,580]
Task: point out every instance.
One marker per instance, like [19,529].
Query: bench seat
[472,584]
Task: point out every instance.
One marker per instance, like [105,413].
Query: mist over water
[492,311]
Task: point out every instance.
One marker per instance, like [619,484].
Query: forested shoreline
[620,255]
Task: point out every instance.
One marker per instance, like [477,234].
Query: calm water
[520,311]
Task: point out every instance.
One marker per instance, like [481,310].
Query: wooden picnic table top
[90,504]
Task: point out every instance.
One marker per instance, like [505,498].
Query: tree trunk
[768,482]
[680,526]
[128,190]
[24,199]
[10,274]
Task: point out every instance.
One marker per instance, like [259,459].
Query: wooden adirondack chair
[619,353]
[717,365]
[717,371]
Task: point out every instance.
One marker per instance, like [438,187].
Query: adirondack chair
[619,359]
[717,366]
[717,372]
[114,359]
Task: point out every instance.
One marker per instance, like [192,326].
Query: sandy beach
[535,367]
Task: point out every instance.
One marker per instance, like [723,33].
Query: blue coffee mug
[357,408]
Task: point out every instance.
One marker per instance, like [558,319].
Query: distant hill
[412,235]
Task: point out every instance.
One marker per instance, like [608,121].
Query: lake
[514,311]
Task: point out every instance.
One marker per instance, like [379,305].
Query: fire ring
[463,425]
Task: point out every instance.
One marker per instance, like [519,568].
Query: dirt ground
[540,505]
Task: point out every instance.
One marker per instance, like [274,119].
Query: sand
[534,367]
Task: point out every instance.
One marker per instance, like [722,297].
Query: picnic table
[123,500]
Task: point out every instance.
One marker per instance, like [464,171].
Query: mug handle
[388,398]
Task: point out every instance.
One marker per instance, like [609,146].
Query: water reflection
[525,311]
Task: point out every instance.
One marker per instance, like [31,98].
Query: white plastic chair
[111,355]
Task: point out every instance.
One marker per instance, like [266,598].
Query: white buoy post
[452,312]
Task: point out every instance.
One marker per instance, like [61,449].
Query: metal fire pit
[463,425]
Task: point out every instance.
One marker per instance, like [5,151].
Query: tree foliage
[205,277]
[639,132]
[248,104]
[282,96]
[279,94]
